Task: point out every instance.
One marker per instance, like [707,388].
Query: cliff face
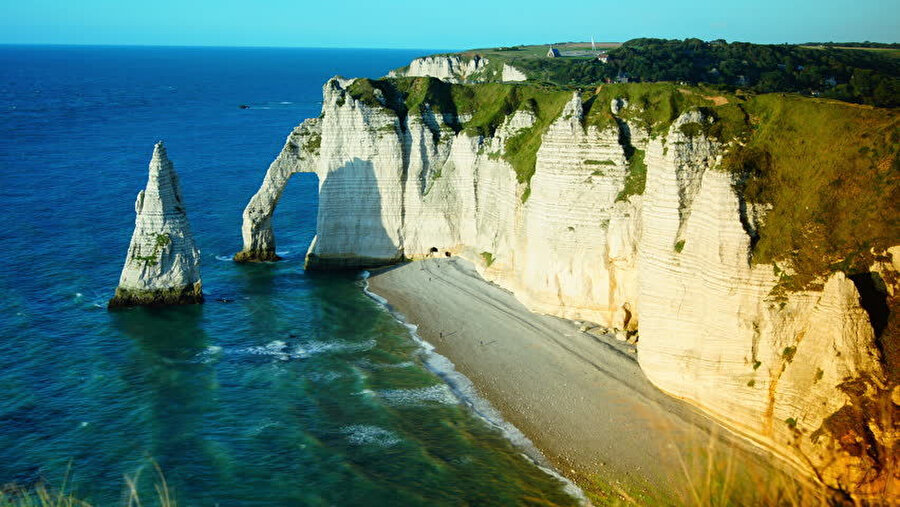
[163,264]
[578,240]
[458,69]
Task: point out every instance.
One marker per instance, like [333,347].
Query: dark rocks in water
[187,295]
[256,256]
[244,106]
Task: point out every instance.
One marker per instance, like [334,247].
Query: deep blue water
[301,391]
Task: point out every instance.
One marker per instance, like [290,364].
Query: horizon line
[76,44]
[404,48]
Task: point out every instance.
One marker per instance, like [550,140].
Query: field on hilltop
[864,73]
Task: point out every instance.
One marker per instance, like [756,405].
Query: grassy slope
[830,172]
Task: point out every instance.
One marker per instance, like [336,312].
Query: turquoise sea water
[302,391]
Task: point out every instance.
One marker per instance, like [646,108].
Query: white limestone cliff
[712,334]
[163,264]
[673,262]
[510,73]
[458,69]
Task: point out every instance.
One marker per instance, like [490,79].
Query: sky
[448,24]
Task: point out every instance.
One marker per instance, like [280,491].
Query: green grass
[636,179]
[830,172]
[654,106]
[488,258]
[313,144]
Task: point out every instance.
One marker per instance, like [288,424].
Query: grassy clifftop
[827,170]
[830,172]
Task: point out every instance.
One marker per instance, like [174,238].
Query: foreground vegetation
[42,495]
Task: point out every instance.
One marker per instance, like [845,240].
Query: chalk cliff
[620,225]
[163,264]
[459,69]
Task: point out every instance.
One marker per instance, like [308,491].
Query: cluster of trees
[868,77]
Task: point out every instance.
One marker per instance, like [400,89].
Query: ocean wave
[224,258]
[371,365]
[276,348]
[334,347]
[365,434]
[263,426]
[209,354]
[439,393]
[282,351]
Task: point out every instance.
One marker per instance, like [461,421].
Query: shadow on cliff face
[350,228]
[874,299]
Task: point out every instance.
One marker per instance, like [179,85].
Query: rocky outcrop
[671,258]
[510,73]
[460,69]
[163,264]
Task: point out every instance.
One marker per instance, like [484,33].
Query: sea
[285,387]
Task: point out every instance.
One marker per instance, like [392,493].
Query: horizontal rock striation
[163,264]
[621,226]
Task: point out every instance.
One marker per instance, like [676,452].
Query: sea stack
[163,264]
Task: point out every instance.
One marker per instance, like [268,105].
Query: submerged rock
[163,264]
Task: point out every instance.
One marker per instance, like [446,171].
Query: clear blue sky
[438,24]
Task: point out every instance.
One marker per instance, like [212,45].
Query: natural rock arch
[299,155]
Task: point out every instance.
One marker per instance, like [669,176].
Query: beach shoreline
[580,398]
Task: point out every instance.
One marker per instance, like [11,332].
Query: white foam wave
[335,347]
[365,363]
[209,354]
[282,351]
[275,348]
[224,258]
[366,434]
[439,393]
